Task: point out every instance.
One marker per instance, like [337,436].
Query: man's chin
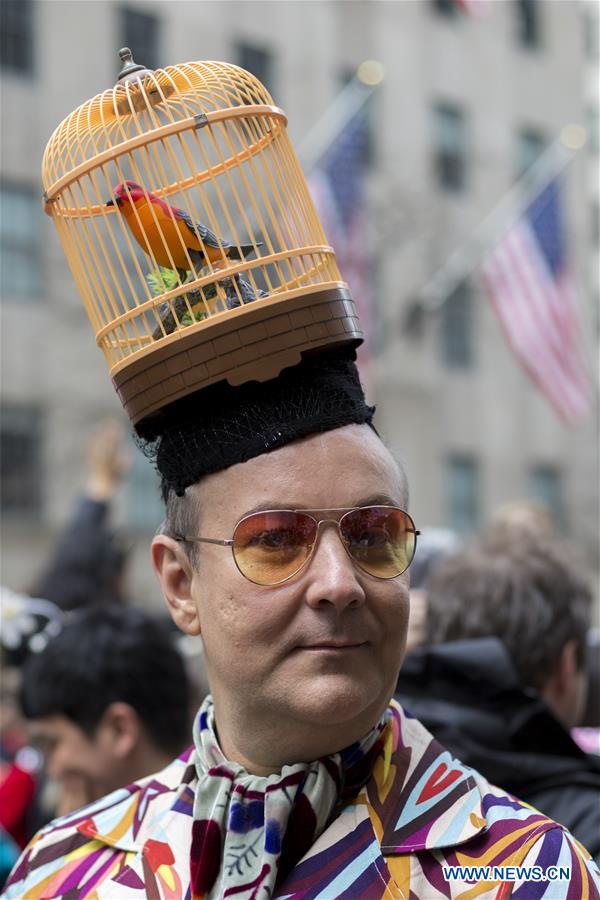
[337,700]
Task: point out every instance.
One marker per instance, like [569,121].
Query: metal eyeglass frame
[319,520]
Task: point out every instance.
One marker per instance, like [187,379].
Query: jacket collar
[420,797]
[127,818]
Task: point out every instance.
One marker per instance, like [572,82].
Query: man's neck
[284,744]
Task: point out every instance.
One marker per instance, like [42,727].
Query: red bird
[168,235]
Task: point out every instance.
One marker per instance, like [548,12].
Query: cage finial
[131,70]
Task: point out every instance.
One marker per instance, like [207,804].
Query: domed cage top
[191,234]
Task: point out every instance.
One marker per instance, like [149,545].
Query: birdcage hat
[191,234]
[194,242]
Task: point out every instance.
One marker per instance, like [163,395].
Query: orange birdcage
[132,177]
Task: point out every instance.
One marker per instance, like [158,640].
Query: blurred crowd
[502,666]
[95,692]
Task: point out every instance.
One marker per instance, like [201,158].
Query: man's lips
[334,645]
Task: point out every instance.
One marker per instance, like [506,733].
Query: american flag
[338,188]
[533,292]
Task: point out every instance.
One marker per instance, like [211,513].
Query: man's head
[305,667]
[523,590]
[108,699]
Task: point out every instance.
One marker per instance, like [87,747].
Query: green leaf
[161,280]
[186,319]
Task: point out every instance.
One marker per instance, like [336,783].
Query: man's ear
[119,730]
[566,687]
[567,666]
[175,573]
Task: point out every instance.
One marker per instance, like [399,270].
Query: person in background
[19,769]
[435,545]
[108,702]
[503,679]
[88,562]
[528,518]
[587,733]
[26,625]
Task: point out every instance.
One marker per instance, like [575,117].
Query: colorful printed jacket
[420,813]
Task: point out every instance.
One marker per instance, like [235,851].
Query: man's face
[77,762]
[270,651]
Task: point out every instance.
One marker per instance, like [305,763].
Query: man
[87,565]
[108,701]
[290,565]
[504,681]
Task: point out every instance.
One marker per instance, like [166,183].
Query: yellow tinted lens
[271,546]
[380,539]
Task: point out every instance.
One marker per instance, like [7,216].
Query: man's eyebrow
[378,500]
[371,500]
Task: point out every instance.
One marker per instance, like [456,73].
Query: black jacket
[86,562]
[469,696]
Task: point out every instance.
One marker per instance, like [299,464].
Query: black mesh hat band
[223,425]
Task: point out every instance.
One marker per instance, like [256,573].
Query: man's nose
[332,576]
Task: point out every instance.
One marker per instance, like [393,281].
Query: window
[257,60]
[20,459]
[546,487]
[462,493]
[449,141]
[16,35]
[447,8]
[528,22]
[140,32]
[457,328]
[530,146]
[591,34]
[145,509]
[20,241]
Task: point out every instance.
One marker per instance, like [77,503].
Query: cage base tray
[255,344]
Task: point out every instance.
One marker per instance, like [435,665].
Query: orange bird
[157,226]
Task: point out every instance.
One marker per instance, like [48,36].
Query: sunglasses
[271,547]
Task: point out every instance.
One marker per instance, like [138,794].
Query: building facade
[467,103]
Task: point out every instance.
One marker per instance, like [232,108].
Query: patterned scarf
[250,829]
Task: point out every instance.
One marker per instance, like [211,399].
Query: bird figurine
[177,312]
[238,291]
[157,226]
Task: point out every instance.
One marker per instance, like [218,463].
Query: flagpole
[466,258]
[346,105]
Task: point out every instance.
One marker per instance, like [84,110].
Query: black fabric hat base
[221,425]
